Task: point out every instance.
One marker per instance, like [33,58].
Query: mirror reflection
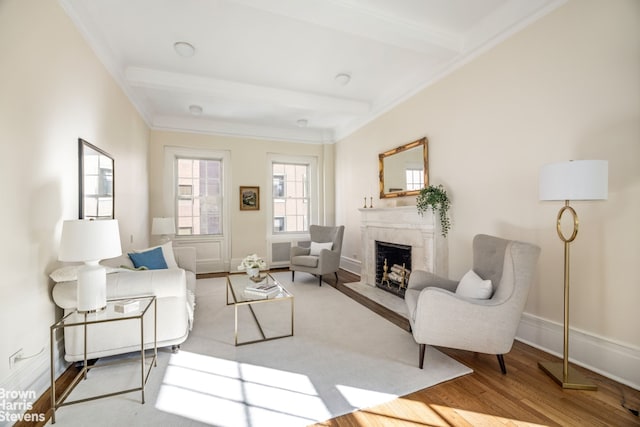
[96,182]
[403,170]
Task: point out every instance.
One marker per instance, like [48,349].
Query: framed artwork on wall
[249,198]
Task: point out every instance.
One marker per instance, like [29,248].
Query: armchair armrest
[420,279]
[185,257]
[328,261]
[484,325]
[298,250]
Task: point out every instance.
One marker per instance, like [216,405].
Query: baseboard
[614,360]
[351,265]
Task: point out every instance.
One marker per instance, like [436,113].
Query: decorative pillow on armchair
[472,286]
[316,247]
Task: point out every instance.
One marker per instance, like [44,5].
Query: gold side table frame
[85,320]
[235,287]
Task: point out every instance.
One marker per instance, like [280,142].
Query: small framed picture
[249,198]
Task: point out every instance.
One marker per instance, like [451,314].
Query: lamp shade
[85,240]
[163,226]
[574,180]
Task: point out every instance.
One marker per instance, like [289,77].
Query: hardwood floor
[525,396]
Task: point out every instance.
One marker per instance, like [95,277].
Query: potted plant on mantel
[435,197]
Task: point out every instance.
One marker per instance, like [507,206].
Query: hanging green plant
[435,197]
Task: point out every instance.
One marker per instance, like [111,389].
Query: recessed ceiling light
[196,110]
[302,123]
[184,49]
[343,78]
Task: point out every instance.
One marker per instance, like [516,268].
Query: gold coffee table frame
[236,283]
[109,314]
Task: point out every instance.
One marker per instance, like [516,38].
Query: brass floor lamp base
[575,380]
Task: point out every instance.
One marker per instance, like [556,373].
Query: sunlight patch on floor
[431,415]
[479,418]
[227,393]
[359,397]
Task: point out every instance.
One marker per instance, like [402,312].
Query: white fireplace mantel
[402,225]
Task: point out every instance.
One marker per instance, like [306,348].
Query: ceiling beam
[220,127]
[204,86]
[351,17]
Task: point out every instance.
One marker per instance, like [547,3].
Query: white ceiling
[262,65]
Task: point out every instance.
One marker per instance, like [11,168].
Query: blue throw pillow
[153,259]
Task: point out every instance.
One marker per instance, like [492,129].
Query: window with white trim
[291,197]
[198,192]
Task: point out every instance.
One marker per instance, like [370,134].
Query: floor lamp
[572,180]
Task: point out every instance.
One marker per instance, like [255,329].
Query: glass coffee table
[240,293]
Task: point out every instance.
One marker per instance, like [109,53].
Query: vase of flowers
[252,264]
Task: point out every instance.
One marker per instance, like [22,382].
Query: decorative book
[261,291]
[127,306]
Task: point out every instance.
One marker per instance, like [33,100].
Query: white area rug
[343,357]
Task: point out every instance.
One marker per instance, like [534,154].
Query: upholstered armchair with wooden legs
[440,315]
[323,254]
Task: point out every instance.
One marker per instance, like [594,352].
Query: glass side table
[109,314]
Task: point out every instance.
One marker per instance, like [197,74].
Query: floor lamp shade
[89,242]
[574,180]
[566,181]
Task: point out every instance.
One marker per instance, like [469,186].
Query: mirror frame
[422,142]
[83,148]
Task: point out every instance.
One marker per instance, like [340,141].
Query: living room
[565,87]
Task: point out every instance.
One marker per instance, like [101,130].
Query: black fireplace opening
[393,266]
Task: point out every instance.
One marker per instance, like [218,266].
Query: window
[199,196]
[291,210]
[415,179]
[278,224]
[278,186]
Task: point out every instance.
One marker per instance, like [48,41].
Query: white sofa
[174,289]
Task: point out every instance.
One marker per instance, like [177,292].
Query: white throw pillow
[317,247]
[68,273]
[167,253]
[472,286]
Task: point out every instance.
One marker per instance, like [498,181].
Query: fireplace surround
[402,226]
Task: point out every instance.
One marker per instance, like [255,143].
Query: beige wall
[567,87]
[53,90]
[249,167]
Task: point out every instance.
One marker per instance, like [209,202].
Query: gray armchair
[323,256]
[440,317]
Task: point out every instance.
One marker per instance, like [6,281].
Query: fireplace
[393,266]
[401,226]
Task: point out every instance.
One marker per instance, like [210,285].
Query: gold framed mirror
[404,170]
[96,182]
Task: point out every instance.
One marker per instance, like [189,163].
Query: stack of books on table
[262,290]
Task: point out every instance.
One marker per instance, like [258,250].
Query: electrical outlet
[14,358]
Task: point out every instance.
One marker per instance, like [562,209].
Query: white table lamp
[163,227]
[89,242]
[572,180]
